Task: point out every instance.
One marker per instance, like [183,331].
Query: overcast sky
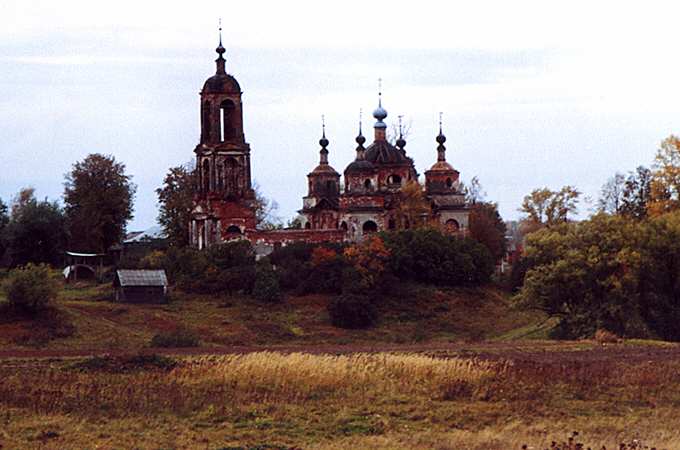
[533,93]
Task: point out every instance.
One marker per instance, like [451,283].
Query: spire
[401,143]
[220,52]
[360,140]
[441,150]
[323,142]
[380,114]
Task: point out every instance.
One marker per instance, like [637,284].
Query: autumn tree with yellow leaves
[665,185]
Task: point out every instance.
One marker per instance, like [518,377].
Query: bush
[31,288]
[231,254]
[352,311]
[266,287]
[428,256]
[177,338]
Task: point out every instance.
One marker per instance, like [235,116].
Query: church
[377,192]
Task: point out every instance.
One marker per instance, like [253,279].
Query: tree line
[618,270]
[97,203]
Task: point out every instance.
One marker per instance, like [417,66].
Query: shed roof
[141,278]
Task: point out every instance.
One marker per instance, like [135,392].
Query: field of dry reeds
[298,400]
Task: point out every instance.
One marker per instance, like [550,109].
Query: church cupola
[441,177]
[401,142]
[221,108]
[320,206]
[380,114]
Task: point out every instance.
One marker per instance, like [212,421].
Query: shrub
[31,288]
[266,287]
[606,337]
[231,254]
[177,338]
[428,256]
[352,311]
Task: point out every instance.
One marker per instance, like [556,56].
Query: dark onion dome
[382,152]
[441,138]
[221,84]
[323,142]
[361,140]
[401,143]
[359,166]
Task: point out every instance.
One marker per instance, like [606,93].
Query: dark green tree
[4,220]
[98,195]
[487,227]
[175,198]
[36,231]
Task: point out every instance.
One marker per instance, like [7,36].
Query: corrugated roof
[142,277]
[149,234]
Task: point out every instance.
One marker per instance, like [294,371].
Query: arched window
[308,226]
[205,117]
[219,172]
[330,187]
[227,119]
[391,224]
[369,227]
[231,176]
[367,184]
[233,229]
[449,182]
[394,179]
[206,175]
[343,226]
[452,226]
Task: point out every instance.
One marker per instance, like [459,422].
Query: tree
[487,227]
[265,211]
[544,207]
[99,202]
[412,209]
[627,195]
[31,288]
[176,201]
[636,193]
[586,274]
[36,231]
[474,193]
[4,220]
[611,194]
[665,183]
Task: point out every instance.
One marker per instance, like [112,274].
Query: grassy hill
[89,320]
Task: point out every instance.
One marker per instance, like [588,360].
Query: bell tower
[224,202]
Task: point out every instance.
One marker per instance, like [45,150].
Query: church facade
[381,189]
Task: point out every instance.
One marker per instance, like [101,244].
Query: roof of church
[221,83]
[382,152]
[359,166]
[442,166]
[324,169]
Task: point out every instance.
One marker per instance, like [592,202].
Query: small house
[141,286]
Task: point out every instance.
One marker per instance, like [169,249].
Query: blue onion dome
[380,113]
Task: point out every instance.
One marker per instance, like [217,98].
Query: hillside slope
[89,321]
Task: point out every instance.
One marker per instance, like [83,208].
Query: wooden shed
[138,286]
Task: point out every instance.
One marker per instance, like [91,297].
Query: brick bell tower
[224,202]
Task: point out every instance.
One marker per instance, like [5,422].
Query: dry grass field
[443,369]
[380,400]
